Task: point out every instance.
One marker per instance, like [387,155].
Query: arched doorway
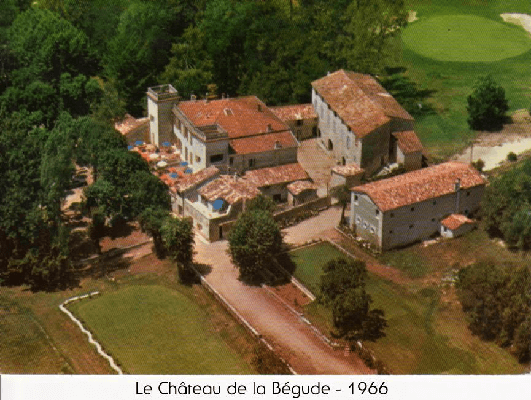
[330,145]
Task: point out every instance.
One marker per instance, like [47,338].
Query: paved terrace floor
[291,337]
[317,163]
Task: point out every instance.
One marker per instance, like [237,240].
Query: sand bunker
[412,16]
[493,156]
[523,20]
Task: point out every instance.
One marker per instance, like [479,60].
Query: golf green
[468,38]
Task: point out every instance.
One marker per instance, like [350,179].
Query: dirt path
[291,337]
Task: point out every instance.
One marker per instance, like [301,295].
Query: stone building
[357,120]
[349,174]
[301,118]
[407,208]
[235,135]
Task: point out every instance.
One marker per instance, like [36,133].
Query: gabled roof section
[455,221]
[190,181]
[351,169]
[408,142]
[298,187]
[266,142]
[276,175]
[130,123]
[230,189]
[239,117]
[423,184]
[294,112]
[359,100]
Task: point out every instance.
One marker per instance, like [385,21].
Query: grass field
[468,38]
[446,132]
[425,335]
[153,329]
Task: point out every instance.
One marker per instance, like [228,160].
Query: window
[468,194]
[372,229]
[231,160]
[412,208]
[392,215]
[391,232]
[216,158]
[198,226]
[377,212]
[358,219]
[299,122]
[348,142]
[151,117]
[365,225]
[251,162]
[434,202]
[433,220]
[197,159]
[411,226]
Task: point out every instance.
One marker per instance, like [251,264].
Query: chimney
[259,107]
[277,145]
[206,98]
[269,128]
[223,96]
[457,184]
[193,97]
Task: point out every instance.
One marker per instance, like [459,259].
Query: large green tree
[342,289]
[255,241]
[487,105]
[178,238]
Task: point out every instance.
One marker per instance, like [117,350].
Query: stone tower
[160,100]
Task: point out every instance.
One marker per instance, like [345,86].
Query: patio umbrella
[174,175]
[130,147]
[162,164]
[188,171]
[184,164]
[166,144]
[153,156]
[139,143]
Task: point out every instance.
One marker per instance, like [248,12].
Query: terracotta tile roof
[455,221]
[276,175]
[298,187]
[359,100]
[420,185]
[229,189]
[240,117]
[266,142]
[408,142]
[190,181]
[294,112]
[351,169]
[129,123]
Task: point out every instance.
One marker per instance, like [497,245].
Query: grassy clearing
[468,38]
[153,329]
[25,347]
[425,335]
[310,261]
[446,132]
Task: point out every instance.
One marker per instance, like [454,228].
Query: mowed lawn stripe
[153,329]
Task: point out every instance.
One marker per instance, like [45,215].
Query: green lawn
[424,336]
[468,38]
[446,132]
[154,329]
[24,345]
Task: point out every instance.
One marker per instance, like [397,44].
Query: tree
[96,229]
[343,290]
[178,238]
[497,301]
[342,194]
[487,105]
[151,221]
[254,242]
[261,202]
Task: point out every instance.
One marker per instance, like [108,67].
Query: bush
[512,157]
[479,164]
[487,105]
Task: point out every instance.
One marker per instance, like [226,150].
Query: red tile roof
[424,184]
[230,189]
[190,181]
[351,169]
[298,187]
[294,112]
[266,142]
[455,221]
[408,142]
[240,117]
[359,100]
[276,175]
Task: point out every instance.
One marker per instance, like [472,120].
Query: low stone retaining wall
[91,340]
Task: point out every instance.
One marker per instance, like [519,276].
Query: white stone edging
[91,340]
